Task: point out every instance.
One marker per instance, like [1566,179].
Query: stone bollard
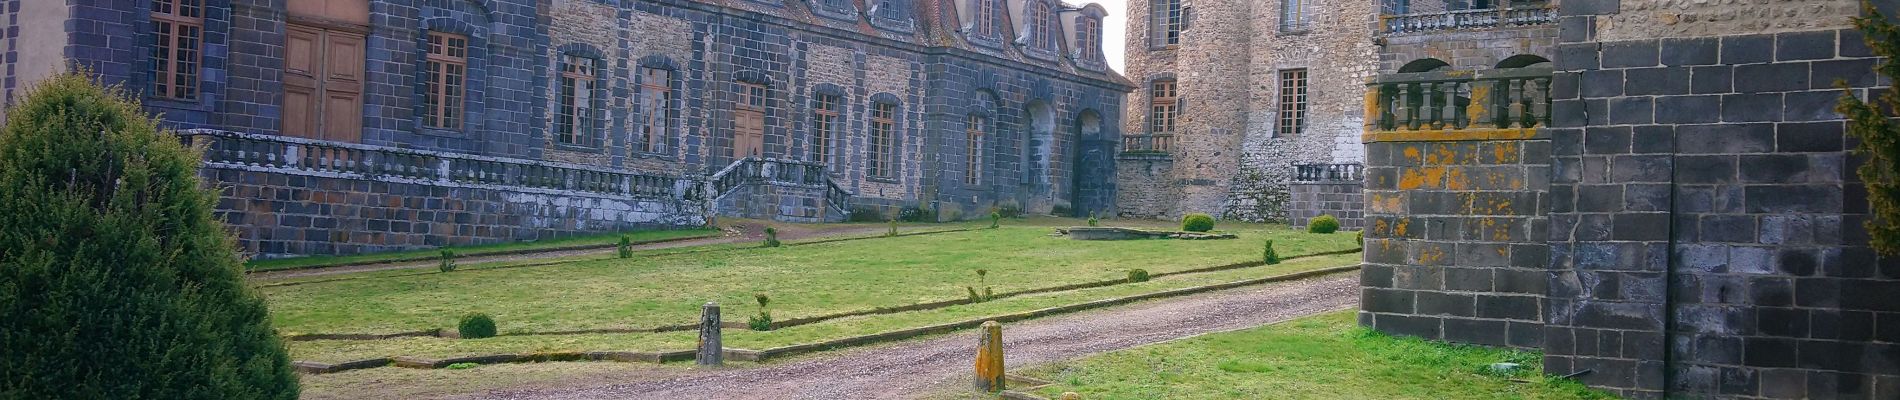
[1071,396]
[710,351]
[989,358]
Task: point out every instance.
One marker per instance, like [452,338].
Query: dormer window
[985,25]
[1088,37]
[1042,26]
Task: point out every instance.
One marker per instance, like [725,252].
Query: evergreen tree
[116,282]
[1879,137]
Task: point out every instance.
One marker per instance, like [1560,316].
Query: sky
[1114,31]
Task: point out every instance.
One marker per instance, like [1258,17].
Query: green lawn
[601,239]
[346,350]
[1321,357]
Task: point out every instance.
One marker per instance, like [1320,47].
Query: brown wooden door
[323,83]
[748,134]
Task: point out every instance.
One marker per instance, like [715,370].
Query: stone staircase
[780,190]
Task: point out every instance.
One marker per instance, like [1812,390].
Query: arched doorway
[1038,157]
[1093,166]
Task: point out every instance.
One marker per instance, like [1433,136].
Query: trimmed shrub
[116,280]
[1323,224]
[1269,256]
[974,298]
[996,219]
[1197,223]
[893,231]
[476,326]
[1360,237]
[763,321]
[1093,221]
[626,246]
[447,263]
[771,237]
[1137,275]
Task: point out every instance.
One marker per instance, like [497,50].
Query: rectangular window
[447,66]
[824,122]
[1168,22]
[973,160]
[574,124]
[656,109]
[986,18]
[179,27]
[1165,107]
[1085,32]
[883,140]
[1292,102]
[1045,25]
[1293,15]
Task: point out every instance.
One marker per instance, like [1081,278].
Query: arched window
[883,147]
[825,126]
[575,122]
[1042,25]
[1424,65]
[657,107]
[974,127]
[1088,35]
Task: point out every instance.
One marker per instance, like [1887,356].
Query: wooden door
[323,83]
[748,121]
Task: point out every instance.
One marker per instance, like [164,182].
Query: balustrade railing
[785,172]
[1147,143]
[1312,173]
[224,148]
[1467,19]
[1489,99]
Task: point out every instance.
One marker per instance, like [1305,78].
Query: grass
[804,281]
[463,251]
[1320,357]
[332,351]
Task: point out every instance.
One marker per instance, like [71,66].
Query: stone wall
[1467,50]
[1234,161]
[1454,237]
[1342,200]
[288,196]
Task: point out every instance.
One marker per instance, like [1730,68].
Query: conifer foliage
[116,282]
[1879,137]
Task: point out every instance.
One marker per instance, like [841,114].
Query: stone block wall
[1343,200]
[1454,238]
[1467,50]
[1706,241]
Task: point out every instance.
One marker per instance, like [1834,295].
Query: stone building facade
[1232,95]
[1667,209]
[567,116]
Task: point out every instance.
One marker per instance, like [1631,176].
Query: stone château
[343,126]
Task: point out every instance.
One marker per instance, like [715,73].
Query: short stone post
[1071,396]
[989,358]
[711,351]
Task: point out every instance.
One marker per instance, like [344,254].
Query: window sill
[441,132]
[576,148]
[880,179]
[1295,31]
[176,104]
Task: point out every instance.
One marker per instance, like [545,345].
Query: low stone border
[786,351]
[559,262]
[713,234]
[821,318]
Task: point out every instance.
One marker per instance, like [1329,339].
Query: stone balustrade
[1458,100]
[1466,19]
[1313,173]
[1147,143]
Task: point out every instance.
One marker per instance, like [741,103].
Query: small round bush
[1197,223]
[1137,275]
[447,263]
[1323,224]
[476,326]
[1360,237]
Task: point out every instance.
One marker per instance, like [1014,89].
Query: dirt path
[737,232]
[942,364]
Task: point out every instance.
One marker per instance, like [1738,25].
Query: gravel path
[736,233]
[941,364]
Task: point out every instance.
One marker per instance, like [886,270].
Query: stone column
[711,351]
[989,358]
